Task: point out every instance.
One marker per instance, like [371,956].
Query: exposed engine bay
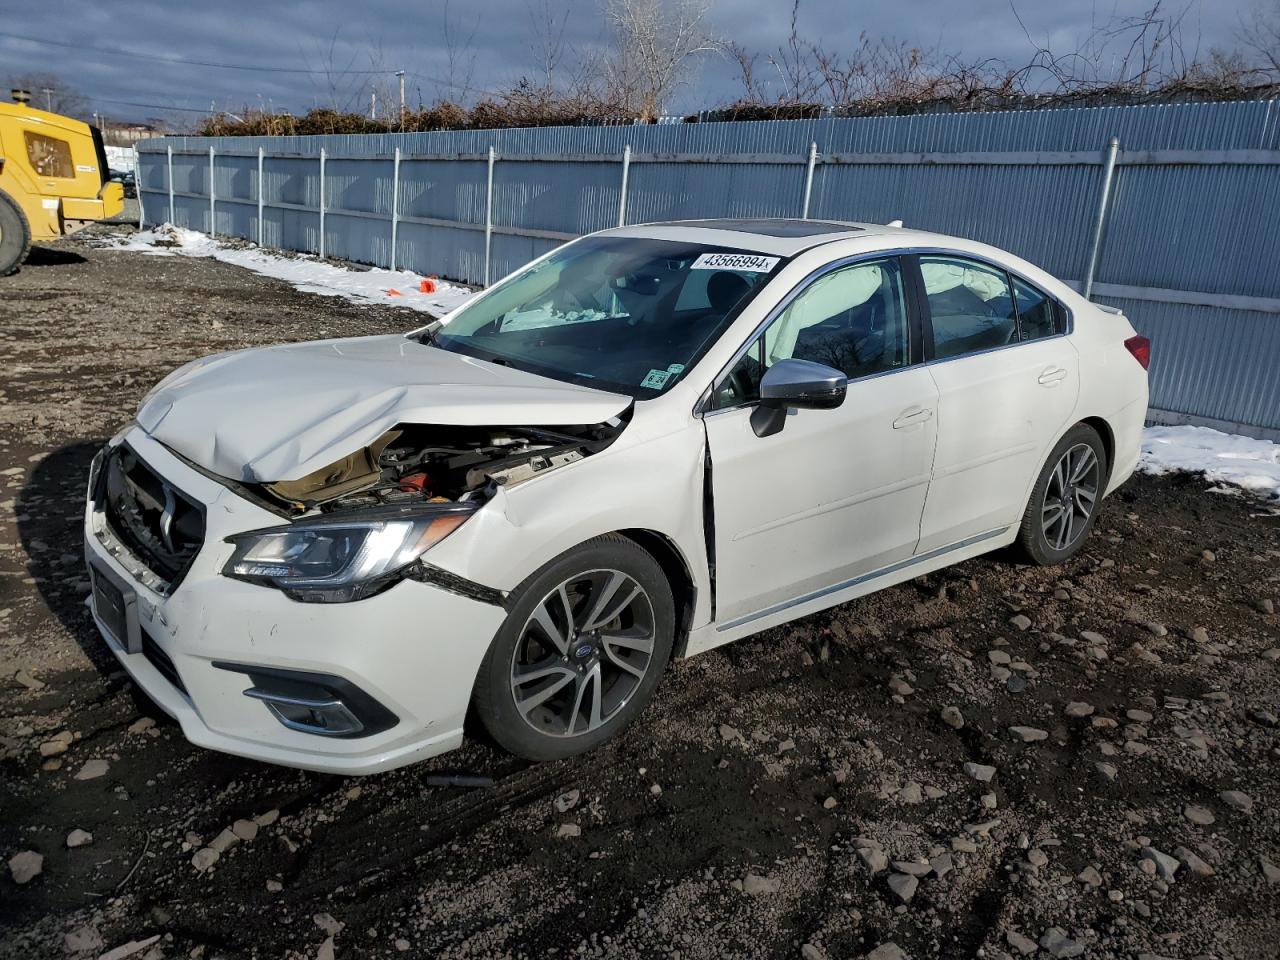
[416,463]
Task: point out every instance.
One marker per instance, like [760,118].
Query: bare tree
[547,22]
[1135,53]
[874,71]
[1260,34]
[337,86]
[655,43]
[50,92]
[460,56]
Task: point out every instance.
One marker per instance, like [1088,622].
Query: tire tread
[12,255]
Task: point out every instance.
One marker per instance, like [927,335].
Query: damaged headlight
[327,560]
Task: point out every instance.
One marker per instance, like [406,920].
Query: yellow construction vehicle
[53,178]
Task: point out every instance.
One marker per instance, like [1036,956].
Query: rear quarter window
[1039,315]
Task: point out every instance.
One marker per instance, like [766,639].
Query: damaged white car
[651,441]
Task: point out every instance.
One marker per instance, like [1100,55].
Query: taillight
[1140,347]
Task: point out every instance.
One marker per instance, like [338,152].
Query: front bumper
[414,649]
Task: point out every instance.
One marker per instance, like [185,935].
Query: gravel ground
[990,761]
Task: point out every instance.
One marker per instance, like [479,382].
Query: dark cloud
[334,38]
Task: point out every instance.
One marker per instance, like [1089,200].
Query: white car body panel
[213,618]
[834,494]
[281,412]
[999,414]
[835,506]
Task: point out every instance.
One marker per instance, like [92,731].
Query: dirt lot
[751,811]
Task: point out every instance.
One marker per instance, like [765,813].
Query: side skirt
[716,634]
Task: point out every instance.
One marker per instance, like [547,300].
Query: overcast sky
[386,35]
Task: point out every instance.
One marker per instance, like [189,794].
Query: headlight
[327,560]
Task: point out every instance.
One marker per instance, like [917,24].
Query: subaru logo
[584,650]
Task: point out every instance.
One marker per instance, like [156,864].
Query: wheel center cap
[584,650]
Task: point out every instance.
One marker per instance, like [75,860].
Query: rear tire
[1065,499]
[15,235]
[586,640]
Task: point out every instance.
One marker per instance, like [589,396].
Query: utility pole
[401,118]
[48,96]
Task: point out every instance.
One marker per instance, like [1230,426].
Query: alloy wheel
[582,653]
[1070,496]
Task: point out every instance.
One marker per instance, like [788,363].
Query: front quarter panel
[647,480]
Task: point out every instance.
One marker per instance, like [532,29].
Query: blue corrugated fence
[1190,249]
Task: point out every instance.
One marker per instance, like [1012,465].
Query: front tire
[1065,499]
[585,642]
[15,235]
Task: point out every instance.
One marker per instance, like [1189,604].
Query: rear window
[49,156]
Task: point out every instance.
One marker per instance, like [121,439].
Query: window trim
[1068,326]
[909,263]
[700,408]
[1017,310]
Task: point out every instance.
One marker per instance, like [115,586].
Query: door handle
[1052,376]
[909,418]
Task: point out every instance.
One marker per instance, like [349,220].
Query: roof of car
[781,236]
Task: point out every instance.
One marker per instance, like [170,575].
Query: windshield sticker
[745,262]
[656,379]
[675,368]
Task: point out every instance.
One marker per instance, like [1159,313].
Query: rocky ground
[994,761]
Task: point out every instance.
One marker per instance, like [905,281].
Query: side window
[1038,315]
[49,156]
[970,304]
[853,319]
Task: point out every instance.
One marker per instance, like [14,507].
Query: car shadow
[50,512]
[52,257]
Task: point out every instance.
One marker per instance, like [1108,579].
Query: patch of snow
[401,288]
[1223,458]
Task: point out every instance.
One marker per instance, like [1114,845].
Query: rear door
[835,493]
[1008,379]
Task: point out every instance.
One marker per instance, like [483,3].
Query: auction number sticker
[746,262]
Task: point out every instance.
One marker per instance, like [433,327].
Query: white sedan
[647,443]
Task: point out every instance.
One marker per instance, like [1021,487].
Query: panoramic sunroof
[774,228]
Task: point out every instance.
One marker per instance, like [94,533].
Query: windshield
[623,314]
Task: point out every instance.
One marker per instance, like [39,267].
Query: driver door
[834,494]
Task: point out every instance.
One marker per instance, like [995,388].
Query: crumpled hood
[280,413]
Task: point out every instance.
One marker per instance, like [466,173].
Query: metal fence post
[137,186]
[171,183]
[808,179]
[395,204]
[1100,222]
[260,203]
[322,203]
[213,227]
[622,194]
[488,219]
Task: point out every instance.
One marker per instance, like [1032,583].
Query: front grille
[160,525]
[160,660]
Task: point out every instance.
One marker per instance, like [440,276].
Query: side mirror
[796,384]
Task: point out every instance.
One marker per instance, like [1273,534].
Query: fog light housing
[315,703]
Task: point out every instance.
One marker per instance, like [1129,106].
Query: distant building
[123,134]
